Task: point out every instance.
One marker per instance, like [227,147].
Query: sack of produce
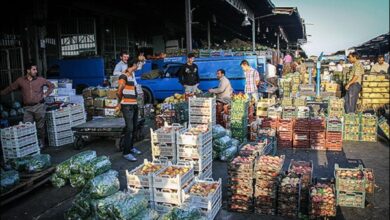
[57,181]
[129,207]
[101,206]
[9,179]
[104,184]
[235,142]
[96,167]
[77,180]
[228,154]
[72,214]
[188,214]
[82,202]
[222,143]
[38,163]
[80,159]
[19,164]
[63,169]
[147,214]
[218,131]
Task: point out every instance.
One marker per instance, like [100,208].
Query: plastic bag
[104,184]
[129,207]
[80,159]
[63,169]
[38,163]
[147,214]
[72,214]
[82,202]
[57,181]
[222,143]
[101,206]
[183,214]
[9,179]
[96,167]
[229,132]
[218,131]
[77,180]
[228,153]
[235,142]
[19,164]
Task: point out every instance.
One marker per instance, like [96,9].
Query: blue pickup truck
[168,83]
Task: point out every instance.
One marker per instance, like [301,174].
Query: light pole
[188,25]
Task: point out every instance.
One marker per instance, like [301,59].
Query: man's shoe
[130,157]
[135,151]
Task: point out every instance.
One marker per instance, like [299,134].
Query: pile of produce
[224,147]
[30,164]
[370,184]
[203,188]
[9,179]
[349,180]
[304,169]
[289,196]
[323,201]
[148,168]
[239,116]
[267,173]
[252,149]
[173,171]
[240,184]
[95,167]
[183,214]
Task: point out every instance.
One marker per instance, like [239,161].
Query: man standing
[340,66]
[270,74]
[31,86]
[189,76]
[121,67]
[353,87]
[224,90]
[252,80]
[127,95]
[381,66]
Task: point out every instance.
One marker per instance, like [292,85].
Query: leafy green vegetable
[9,179]
[77,180]
[63,169]
[57,181]
[104,184]
[72,214]
[80,159]
[38,163]
[19,164]
[96,167]
[146,214]
[128,207]
[183,214]
[100,206]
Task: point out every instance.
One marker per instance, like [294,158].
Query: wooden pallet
[28,182]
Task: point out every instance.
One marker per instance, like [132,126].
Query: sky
[340,24]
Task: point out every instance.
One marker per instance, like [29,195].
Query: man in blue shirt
[121,67]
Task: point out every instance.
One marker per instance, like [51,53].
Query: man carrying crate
[31,86]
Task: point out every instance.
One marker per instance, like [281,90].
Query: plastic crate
[202,111]
[317,124]
[194,151]
[140,190]
[286,125]
[17,131]
[384,126]
[368,137]
[369,120]
[58,113]
[302,124]
[207,172]
[78,122]
[334,124]
[351,119]
[58,121]
[202,119]
[78,116]
[58,128]
[20,142]
[301,135]
[351,136]
[201,102]
[61,142]
[370,180]
[348,184]
[177,182]
[351,128]
[164,150]
[161,135]
[206,202]
[212,213]
[17,152]
[199,164]
[270,123]
[306,178]
[187,138]
[351,199]
[78,108]
[285,135]
[134,179]
[169,196]
[59,135]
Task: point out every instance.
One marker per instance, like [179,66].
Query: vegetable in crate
[63,169]
[38,163]
[77,180]
[57,181]
[9,179]
[129,207]
[101,206]
[80,159]
[147,214]
[96,167]
[104,185]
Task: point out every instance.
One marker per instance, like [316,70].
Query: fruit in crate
[198,129]
[270,162]
[301,168]
[289,181]
[322,193]
[175,98]
[349,174]
[240,97]
[174,171]
[149,168]
[241,160]
[369,175]
[203,189]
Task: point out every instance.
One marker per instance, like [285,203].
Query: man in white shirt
[340,66]
[121,67]
[381,66]
[270,74]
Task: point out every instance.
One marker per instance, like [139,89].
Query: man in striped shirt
[127,95]
[252,81]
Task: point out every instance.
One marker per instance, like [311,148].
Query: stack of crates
[275,112]
[285,85]
[369,124]
[263,105]
[384,126]
[19,141]
[350,186]
[317,126]
[198,150]
[303,112]
[163,142]
[140,179]
[300,101]
[169,189]
[301,137]
[202,111]
[335,107]
[351,127]
[239,119]
[289,112]
[334,134]
[287,101]
[77,115]
[59,124]
[296,81]
[285,133]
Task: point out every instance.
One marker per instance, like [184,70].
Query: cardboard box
[110,103]
[98,102]
[100,92]
[88,92]
[114,81]
[111,93]
[88,102]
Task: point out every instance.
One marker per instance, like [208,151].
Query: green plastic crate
[351,199]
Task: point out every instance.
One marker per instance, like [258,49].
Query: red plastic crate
[334,136]
[301,144]
[286,125]
[317,124]
[270,123]
[302,124]
[334,146]
[301,135]
[285,135]
[284,144]
[317,135]
[318,146]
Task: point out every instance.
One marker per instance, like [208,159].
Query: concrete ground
[48,202]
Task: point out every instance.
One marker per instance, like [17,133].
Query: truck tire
[148,97]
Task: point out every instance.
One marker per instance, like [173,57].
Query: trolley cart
[103,127]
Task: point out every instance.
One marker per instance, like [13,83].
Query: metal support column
[318,87]
[310,75]
[278,47]
[208,35]
[188,25]
[253,36]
